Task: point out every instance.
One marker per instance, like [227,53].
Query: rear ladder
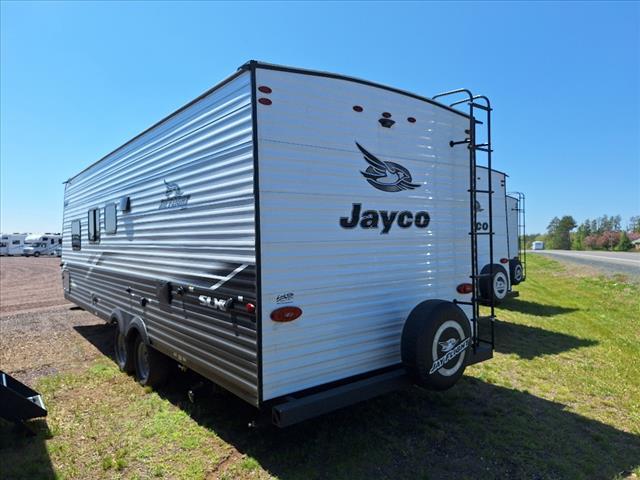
[522,232]
[482,347]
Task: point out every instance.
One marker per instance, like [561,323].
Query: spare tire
[435,341]
[516,271]
[496,285]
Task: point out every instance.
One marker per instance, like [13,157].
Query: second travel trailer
[305,240]
[497,276]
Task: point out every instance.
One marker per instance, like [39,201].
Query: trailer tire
[152,367]
[517,273]
[434,331]
[122,351]
[497,285]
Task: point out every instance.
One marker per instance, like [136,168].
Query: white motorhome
[38,244]
[12,243]
[302,239]
[516,236]
[537,245]
[501,275]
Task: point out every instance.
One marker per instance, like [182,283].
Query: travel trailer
[516,237]
[302,239]
[12,243]
[537,245]
[41,244]
[500,283]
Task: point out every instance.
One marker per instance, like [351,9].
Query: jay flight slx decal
[387,177]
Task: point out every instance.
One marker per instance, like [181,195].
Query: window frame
[76,238]
[93,227]
[107,230]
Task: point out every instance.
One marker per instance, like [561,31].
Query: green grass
[560,399]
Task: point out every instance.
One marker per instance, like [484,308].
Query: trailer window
[93,231]
[75,235]
[110,218]
[15,242]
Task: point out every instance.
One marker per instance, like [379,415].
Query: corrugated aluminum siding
[203,152]
[499,208]
[355,286]
[512,226]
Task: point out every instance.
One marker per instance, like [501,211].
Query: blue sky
[79,79]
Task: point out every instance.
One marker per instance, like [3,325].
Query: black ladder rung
[481,275]
[482,191]
[462,302]
[481,233]
[481,107]
[483,149]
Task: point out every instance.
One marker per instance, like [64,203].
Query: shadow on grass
[534,308]
[99,335]
[530,342]
[474,430]
[25,456]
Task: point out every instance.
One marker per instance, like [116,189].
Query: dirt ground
[40,332]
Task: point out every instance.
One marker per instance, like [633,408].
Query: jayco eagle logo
[386,176]
[175,197]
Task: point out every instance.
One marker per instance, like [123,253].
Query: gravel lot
[40,332]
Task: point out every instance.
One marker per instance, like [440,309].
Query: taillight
[264,89]
[285,314]
[464,288]
[264,101]
[251,308]
[504,260]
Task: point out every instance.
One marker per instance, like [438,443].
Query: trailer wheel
[435,341]
[151,366]
[122,353]
[497,285]
[517,273]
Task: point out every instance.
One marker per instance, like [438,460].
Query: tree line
[601,233]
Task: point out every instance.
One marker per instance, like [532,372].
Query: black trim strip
[256,194]
[302,71]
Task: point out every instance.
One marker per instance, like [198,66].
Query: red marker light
[285,314]
[411,120]
[504,260]
[386,114]
[251,308]
[264,89]
[264,101]
[357,108]
[464,288]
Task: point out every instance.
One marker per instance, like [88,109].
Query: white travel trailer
[37,244]
[537,245]
[501,285]
[516,237]
[302,239]
[12,243]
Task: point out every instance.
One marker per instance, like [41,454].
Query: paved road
[627,263]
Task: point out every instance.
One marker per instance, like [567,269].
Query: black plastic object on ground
[19,402]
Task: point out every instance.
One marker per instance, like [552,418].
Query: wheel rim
[500,285]
[121,349]
[143,361]
[518,273]
[448,335]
